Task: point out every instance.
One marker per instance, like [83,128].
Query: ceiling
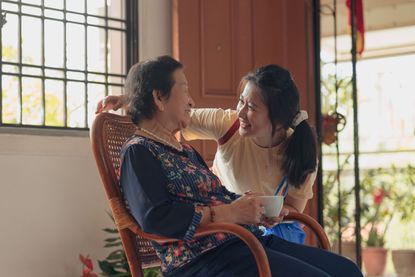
[389,29]
[378,15]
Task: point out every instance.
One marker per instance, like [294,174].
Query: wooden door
[219,41]
[211,39]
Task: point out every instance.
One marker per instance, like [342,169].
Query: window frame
[130,32]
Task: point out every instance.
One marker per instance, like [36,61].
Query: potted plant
[334,224]
[333,121]
[404,259]
[376,215]
[404,262]
[386,194]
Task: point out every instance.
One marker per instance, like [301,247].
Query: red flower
[89,267]
[86,261]
[88,273]
[378,195]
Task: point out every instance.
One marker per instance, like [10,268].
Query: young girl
[266,145]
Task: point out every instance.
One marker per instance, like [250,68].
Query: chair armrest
[124,220]
[254,245]
[251,241]
[313,225]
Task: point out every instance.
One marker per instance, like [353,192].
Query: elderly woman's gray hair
[145,77]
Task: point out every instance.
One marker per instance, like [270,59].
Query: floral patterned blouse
[164,189]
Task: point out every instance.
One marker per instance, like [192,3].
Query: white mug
[272,204]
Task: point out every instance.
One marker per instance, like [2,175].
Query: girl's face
[253,116]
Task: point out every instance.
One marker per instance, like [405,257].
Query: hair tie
[299,117]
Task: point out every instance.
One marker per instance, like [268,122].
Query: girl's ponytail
[300,154]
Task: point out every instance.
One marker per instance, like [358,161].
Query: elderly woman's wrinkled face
[178,106]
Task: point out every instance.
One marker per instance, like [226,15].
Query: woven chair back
[108,134]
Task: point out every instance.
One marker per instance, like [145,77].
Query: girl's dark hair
[281,96]
[142,79]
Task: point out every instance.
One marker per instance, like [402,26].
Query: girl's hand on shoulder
[110,102]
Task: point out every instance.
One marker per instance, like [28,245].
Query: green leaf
[115,256]
[113,244]
[110,215]
[152,272]
[111,230]
[122,274]
[112,239]
[107,268]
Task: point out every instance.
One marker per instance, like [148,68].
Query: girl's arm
[209,124]
[297,199]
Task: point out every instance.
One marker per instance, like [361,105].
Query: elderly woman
[171,192]
[266,145]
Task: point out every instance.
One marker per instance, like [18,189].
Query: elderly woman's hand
[247,209]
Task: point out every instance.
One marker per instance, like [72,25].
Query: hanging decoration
[333,123]
[360,25]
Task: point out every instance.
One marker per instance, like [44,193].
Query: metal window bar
[356,139]
[86,65]
[20,68]
[106,48]
[65,63]
[337,143]
[43,64]
[67,20]
[317,88]
[62,79]
[63,69]
[1,65]
[130,24]
[59,10]
[355,133]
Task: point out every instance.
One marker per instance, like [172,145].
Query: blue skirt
[290,231]
[234,259]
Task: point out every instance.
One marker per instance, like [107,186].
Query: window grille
[59,57]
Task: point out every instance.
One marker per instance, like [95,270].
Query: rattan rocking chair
[108,133]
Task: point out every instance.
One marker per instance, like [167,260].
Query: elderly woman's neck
[157,127]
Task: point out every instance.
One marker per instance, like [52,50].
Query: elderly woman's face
[178,106]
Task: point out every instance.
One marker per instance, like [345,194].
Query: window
[386,121]
[59,57]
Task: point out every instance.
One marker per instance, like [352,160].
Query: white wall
[52,203]
[154,28]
